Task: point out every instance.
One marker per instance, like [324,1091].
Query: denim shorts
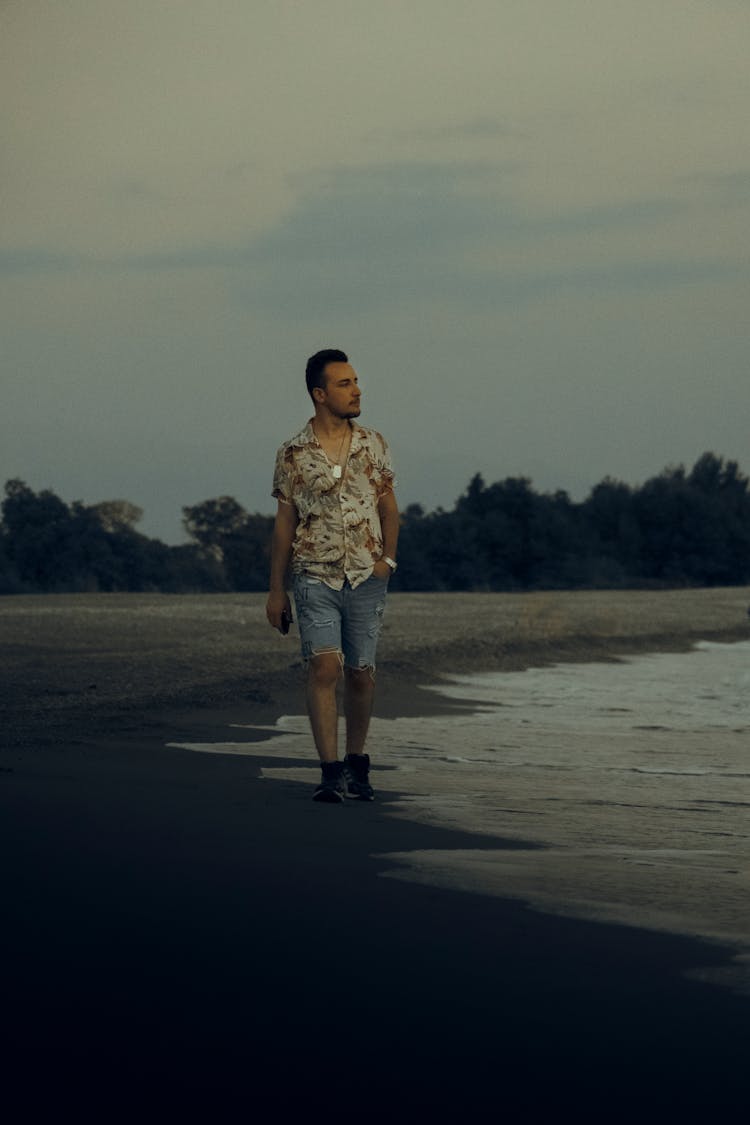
[345,621]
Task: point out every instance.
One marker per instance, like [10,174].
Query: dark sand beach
[179,933]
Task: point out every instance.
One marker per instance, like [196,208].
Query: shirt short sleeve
[387,477]
[282,488]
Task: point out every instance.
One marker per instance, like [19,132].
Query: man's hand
[381,570]
[278,602]
[281,551]
[389,523]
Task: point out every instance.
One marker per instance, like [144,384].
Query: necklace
[337,470]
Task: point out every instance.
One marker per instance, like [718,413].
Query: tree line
[680,528]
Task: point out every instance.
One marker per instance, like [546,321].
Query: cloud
[475,128]
[33,260]
[377,236]
[723,187]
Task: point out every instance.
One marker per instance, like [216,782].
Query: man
[337,523]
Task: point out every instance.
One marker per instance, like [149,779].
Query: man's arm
[281,552]
[389,525]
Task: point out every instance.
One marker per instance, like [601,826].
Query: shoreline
[104,664]
[585,796]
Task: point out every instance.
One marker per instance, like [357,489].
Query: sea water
[629,781]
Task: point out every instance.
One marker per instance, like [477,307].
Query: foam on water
[633,776]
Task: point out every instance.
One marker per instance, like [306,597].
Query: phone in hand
[286,621]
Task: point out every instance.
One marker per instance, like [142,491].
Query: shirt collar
[306,436]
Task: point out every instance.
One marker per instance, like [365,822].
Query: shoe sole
[328,797]
[360,796]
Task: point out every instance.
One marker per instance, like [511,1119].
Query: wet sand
[629,781]
[181,932]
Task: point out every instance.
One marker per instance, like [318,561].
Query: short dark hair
[316,365]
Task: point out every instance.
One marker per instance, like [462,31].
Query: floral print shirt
[338,535]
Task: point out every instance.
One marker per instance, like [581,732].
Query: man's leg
[323,674]
[319,621]
[324,670]
[361,623]
[359,692]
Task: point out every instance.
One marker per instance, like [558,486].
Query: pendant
[337,472]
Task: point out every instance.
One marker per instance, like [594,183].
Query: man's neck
[327,425]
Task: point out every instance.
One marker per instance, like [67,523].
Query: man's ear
[319,394]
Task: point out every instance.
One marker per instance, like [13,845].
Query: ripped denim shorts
[345,621]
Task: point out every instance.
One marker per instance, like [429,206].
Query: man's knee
[360,679]
[324,668]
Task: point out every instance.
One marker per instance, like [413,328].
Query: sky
[525,221]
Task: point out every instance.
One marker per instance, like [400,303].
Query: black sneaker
[331,788]
[357,774]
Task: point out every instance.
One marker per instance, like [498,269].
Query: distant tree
[695,528]
[725,507]
[678,528]
[495,524]
[47,545]
[212,522]
[613,534]
[238,541]
[247,552]
[559,546]
[116,515]
[36,525]
[10,583]
[187,570]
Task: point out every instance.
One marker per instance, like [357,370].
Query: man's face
[342,393]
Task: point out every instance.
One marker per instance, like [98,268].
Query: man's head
[332,383]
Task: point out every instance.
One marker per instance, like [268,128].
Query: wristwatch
[391,563]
